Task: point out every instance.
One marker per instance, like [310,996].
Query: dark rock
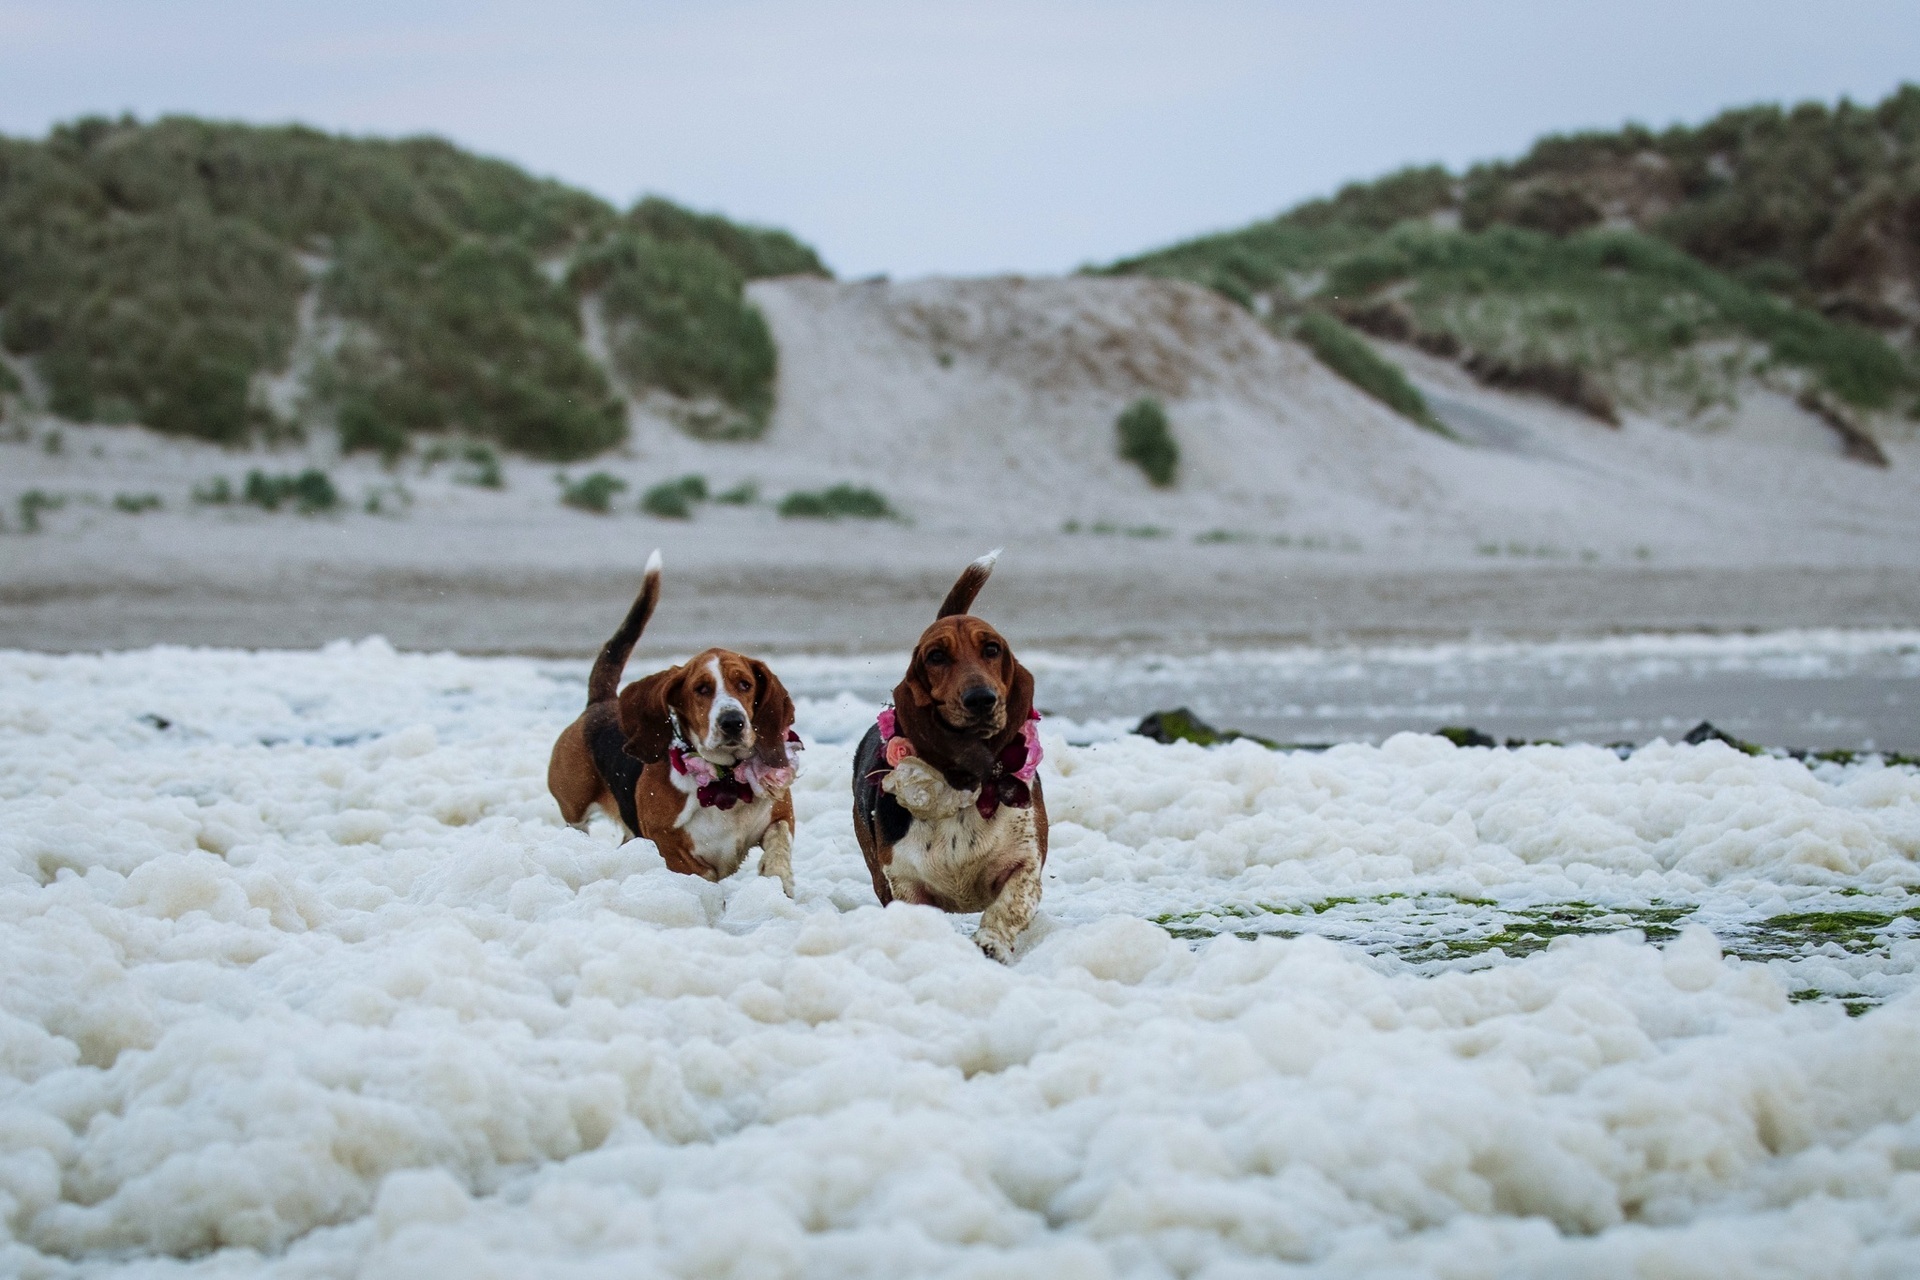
[1181,725]
[1178,725]
[1464,736]
[1705,732]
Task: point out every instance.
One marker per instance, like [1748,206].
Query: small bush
[674,500]
[859,502]
[134,503]
[1146,440]
[482,469]
[387,500]
[480,465]
[1348,355]
[744,494]
[678,320]
[35,501]
[593,493]
[217,492]
[311,491]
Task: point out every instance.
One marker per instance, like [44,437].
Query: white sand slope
[995,399]
[312,982]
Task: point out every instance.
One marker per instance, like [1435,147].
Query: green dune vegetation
[168,273]
[1629,267]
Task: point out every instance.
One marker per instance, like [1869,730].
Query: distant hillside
[1655,269]
[226,282]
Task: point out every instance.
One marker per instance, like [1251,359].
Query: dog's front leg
[776,853]
[1002,923]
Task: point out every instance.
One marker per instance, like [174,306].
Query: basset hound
[694,758]
[947,805]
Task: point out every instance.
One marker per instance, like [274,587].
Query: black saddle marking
[620,771]
[882,814]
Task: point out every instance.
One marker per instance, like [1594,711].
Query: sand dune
[983,409]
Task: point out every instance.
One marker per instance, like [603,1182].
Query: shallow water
[1812,690]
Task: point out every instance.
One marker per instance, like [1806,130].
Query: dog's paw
[994,947]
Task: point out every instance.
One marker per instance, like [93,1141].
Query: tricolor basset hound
[946,799]
[694,758]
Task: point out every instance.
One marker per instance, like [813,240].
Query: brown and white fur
[726,707]
[964,699]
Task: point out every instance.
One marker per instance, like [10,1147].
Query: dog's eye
[743,685]
[989,650]
[704,689]
[937,658]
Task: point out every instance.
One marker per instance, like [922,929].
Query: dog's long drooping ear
[646,715]
[1019,697]
[772,717]
[974,577]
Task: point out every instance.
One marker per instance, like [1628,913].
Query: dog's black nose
[979,700]
[732,722]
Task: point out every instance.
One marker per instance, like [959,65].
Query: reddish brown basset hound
[947,804]
[693,758]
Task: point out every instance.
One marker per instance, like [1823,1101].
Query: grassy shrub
[152,272]
[161,319]
[134,503]
[217,492]
[1146,440]
[1784,228]
[593,493]
[755,252]
[310,492]
[674,500]
[1603,299]
[679,321]
[744,494]
[476,339]
[859,502]
[33,503]
[1348,355]
[150,268]
[482,469]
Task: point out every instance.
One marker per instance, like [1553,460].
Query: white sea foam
[311,981]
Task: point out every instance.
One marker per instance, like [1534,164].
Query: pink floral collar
[723,786]
[1011,782]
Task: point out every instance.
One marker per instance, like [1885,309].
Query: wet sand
[1171,599]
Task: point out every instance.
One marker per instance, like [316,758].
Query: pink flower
[898,749]
[1031,732]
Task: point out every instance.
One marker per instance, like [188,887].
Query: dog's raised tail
[604,683]
[972,578]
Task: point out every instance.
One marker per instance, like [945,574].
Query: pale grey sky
[953,138]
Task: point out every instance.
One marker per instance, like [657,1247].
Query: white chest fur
[721,837]
[951,856]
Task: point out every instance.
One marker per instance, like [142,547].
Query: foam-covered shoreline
[305,971]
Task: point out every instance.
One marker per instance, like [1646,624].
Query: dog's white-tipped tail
[604,680]
[972,578]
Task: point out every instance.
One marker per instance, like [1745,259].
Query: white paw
[994,947]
